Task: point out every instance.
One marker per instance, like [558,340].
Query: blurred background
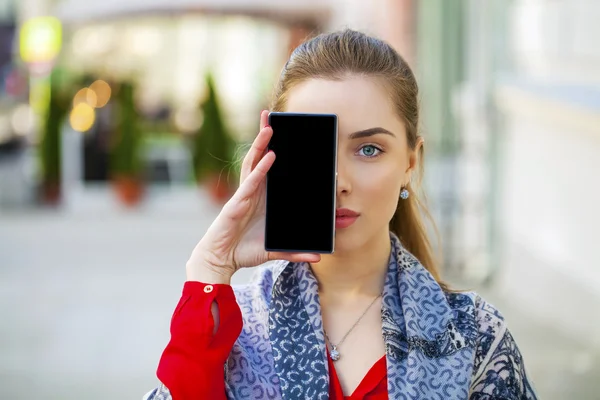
[120,124]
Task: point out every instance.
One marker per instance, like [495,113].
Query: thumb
[295,257]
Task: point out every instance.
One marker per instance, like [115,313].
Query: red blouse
[191,364]
[372,387]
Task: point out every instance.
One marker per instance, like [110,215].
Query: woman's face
[374,160]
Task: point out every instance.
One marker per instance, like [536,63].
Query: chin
[355,238]
[348,241]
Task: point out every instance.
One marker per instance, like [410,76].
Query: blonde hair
[336,55]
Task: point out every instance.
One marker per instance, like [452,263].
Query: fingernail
[267,126]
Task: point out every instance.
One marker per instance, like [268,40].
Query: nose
[342,182]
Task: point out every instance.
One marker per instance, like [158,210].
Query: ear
[413,158]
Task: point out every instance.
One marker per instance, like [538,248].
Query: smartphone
[301,183]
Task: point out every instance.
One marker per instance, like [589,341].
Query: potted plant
[125,162]
[213,149]
[50,143]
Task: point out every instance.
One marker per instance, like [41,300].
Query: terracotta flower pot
[129,190]
[50,193]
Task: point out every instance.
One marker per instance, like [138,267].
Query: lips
[345,217]
[345,213]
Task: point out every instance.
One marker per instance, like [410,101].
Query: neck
[356,273]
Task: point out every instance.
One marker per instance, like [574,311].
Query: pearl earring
[404,194]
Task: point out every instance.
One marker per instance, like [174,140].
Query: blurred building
[167,47]
[13,87]
[550,148]
[511,89]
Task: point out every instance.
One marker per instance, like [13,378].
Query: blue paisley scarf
[438,345]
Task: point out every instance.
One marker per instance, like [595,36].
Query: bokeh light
[188,120]
[22,120]
[82,117]
[40,39]
[85,96]
[102,91]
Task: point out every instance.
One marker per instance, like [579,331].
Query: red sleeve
[192,364]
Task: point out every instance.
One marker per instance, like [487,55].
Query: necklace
[335,354]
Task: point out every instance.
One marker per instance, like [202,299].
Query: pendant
[335,355]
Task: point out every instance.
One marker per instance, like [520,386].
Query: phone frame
[334,194]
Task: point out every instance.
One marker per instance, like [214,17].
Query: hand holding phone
[236,237]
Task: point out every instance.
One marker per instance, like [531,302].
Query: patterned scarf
[430,336]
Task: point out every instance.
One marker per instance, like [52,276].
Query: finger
[258,148]
[264,118]
[255,178]
[264,123]
[256,152]
[294,257]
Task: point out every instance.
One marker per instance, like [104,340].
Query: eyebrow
[370,132]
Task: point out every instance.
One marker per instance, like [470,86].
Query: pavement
[86,299]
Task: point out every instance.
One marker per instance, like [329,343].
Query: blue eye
[370,151]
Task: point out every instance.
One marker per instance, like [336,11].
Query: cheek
[381,184]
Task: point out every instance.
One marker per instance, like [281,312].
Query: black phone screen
[301,184]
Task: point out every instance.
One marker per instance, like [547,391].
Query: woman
[373,320]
